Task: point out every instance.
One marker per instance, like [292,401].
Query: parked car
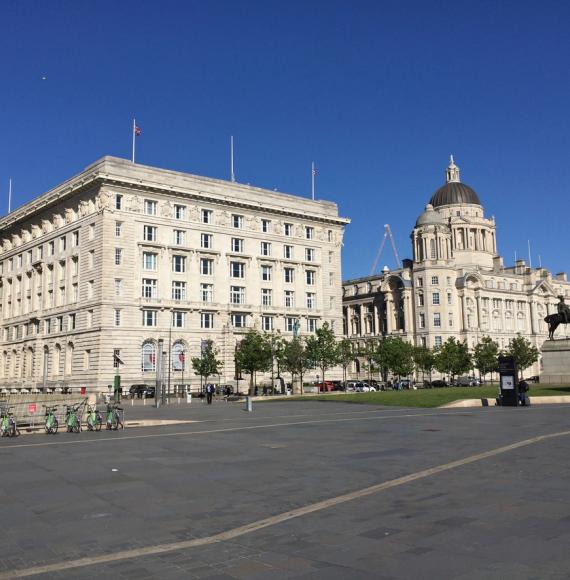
[439,383]
[351,386]
[467,382]
[325,387]
[338,386]
[142,391]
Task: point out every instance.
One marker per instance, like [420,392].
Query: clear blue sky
[377,93]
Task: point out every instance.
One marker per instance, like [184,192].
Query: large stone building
[455,285]
[122,255]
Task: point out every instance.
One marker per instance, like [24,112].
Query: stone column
[478,300]
[389,314]
[376,320]
[463,313]
[533,325]
[362,321]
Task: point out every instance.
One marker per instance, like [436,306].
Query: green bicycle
[72,419]
[115,417]
[51,423]
[94,419]
[8,426]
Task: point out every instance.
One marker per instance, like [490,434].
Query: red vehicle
[326,387]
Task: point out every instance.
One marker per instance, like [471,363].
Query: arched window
[148,362]
[179,351]
[69,358]
[56,360]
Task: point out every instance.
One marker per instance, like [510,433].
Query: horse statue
[554,321]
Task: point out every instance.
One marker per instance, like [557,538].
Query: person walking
[209,393]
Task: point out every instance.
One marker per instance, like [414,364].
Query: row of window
[27,258]
[206,217]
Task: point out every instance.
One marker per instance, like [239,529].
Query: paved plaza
[306,490]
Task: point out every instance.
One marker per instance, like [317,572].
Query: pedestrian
[523,390]
[209,393]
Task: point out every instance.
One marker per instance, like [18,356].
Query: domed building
[455,284]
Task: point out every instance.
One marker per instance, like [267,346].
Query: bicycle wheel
[98,424]
[54,426]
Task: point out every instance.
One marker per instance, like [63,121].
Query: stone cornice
[120,173]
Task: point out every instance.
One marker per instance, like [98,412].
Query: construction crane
[387,234]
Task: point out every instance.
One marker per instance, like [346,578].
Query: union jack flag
[138,131]
[314,170]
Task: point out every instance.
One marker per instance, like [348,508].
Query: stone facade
[455,285]
[122,255]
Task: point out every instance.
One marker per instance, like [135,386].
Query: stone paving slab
[181,482]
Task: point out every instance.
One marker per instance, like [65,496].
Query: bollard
[144,401]
[248,404]
[132,402]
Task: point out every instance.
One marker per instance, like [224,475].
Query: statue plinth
[555,361]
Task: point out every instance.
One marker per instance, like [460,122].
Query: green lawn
[430,397]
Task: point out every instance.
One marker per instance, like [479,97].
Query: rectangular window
[310,277]
[288,252]
[149,261]
[437,319]
[40,253]
[309,254]
[290,323]
[118,229]
[438,341]
[206,266]
[74,266]
[178,319]
[207,292]
[149,233]
[288,229]
[118,287]
[116,358]
[237,221]
[179,237]
[62,248]
[434,280]
[60,323]
[179,211]
[266,273]
[450,319]
[265,225]
[266,248]
[237,245]
[90,286]
[449,297]
[51,248]
[150,207]
[149,317]
[309,232]
[420,299]
[331,278]
[89,318]
[206,241]
[87,360]
[237,295]
[149,288]
[206,320]
[266,297]
[267,323]
[435,298]
[74,292]
[289,299]
[206,216]
[178,290]
[311,324]
[75,239]
[71,321]
[91,259]
[422,320]
[237,270]
[238,320]
[118,201]
[330,236]
[311,300]
[117,317]
[288,275]
[179,264]
[118,256]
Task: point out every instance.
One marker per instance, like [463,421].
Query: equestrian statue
[561,317]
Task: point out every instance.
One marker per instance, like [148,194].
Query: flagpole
[313,180]
[529,255]
[10,195]
[134,127]
[232,174]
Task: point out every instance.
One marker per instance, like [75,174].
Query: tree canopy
[524,353]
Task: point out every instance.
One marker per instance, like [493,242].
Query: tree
[207,364]
[400,357]
[294,359]
[485,356]
[322,349]
[524,353]
[424,360]
[253,355]
[453,358]
[380,353]
[345,355]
